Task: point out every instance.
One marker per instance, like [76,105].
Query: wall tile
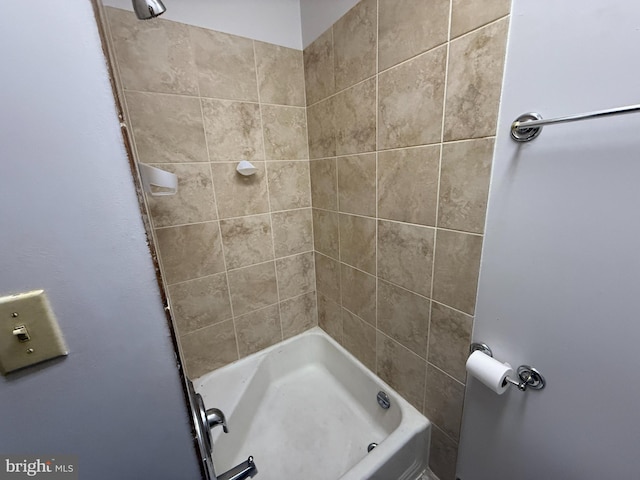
[167,128]
[328,277]
[209,348]
[443,401]
[355,42]
[359,339]
[358,293]
[298,314]
[410,27]
[467,15]
[443,455]
[285,132]
[319,68]
[404,316]
[357,184]
[410,101]
[226,65]
[449,340]
[355,118]
[330,317]
[258,330]
[321,127]
[474,82]
[194,201]
[464,184]
[402,369]
[325,233]
[408,184]
[292,232]
[247,240]
[238,195]
[358,242]
[280,74]
[233,129]
[153,56]
[201,302]
[405,255]
[457,264]
[324,183]
[253,287]
[190,251]
[296,275]
[289,185]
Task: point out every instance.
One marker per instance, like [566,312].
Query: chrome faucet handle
[215,417]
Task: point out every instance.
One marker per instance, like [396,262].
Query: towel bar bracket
[522,133]
[528,126]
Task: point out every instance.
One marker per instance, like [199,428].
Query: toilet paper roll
[489,371]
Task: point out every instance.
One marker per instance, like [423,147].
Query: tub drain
[371,446]
[383,400]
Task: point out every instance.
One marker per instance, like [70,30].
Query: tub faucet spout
[246,469]
[215,417]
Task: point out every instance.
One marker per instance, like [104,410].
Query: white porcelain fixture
[306,408]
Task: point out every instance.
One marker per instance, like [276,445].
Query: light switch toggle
[29,331]
[22,333]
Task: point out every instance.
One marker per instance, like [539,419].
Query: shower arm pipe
[529,125]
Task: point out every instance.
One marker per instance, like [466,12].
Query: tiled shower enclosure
[366,216]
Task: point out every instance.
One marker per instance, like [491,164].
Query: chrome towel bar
[529,125]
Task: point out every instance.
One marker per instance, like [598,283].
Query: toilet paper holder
[528,375]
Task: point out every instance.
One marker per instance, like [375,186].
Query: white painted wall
[273,21]
[318,15]
[560,275]
[70,224]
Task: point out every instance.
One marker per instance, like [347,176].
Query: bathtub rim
[413,425]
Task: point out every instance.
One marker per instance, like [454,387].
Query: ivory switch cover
[29,331]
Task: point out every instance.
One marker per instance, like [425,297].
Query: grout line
[245,314]
[377,107]
[272,260]
[370,77]
[359,318]
[404,347]
[219,99]
[215,199]
[195,279]
[465,34]
[266,179]
[444,372]
[229,319]
[230,162]
[403,223]
[167,94]
[453,308]
[403,288]
[446,434]
[340,318]
[232,218]
[435,237]
[394,149]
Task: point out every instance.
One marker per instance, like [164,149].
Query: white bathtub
[306,409]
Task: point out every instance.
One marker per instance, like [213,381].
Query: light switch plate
[32,311]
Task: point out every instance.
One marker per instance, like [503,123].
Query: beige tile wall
[236,252]
[402,104]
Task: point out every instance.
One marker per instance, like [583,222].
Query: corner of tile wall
[236,253]
[402,102]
